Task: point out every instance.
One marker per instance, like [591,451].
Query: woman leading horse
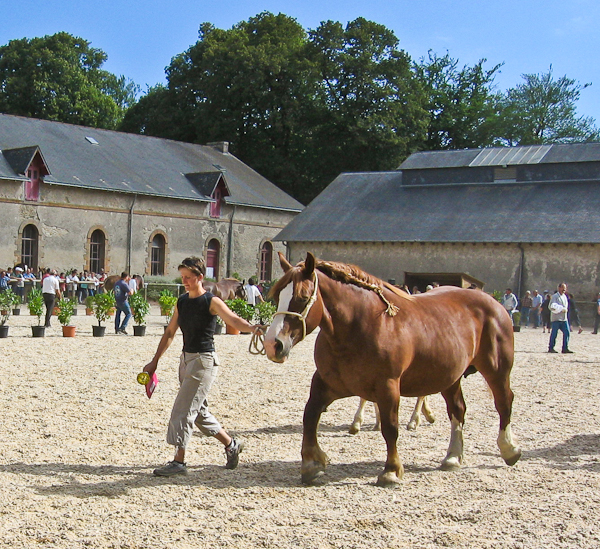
[379,343]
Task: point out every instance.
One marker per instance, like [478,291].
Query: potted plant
[65,312]
[516,318]
[36,308]
[89,309]
[139,309]
[263,312]
[102,304]
[241,308]
[219,326]
[167,302]
[7,299]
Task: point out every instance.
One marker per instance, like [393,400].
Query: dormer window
[32,186]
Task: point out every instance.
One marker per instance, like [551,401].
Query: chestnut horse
[378,343]
[111,280]
[226,288]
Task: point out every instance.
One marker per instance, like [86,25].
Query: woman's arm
[164,344]
[218,307]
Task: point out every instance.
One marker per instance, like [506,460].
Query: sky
[528,36]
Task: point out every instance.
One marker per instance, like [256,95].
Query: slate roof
[376,207]
[138,164]
[504,156]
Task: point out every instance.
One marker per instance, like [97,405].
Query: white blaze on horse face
[285,298]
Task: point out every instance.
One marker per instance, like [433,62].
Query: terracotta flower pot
[230,330]
[89,312]
[69,331]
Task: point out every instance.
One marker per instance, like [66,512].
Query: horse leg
[358,417]
[388,411]
[314,460]
[415,419]
[503,399]
[427,412]
[455,404]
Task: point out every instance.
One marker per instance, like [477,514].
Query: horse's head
[299,308]
[240,291]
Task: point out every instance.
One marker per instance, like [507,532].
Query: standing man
[509,302]
[122,293]
[536,308]
[526,304]
[559,308]
[253,295]
[597,320]
[196,315]
[50,291]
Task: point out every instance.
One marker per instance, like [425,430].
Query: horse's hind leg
[455,404]
[358,417]
[503,399]
[427,412]
[415,419]
[314,460]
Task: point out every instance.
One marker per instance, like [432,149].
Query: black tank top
[197,323]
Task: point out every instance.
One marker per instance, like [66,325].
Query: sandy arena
[79,441]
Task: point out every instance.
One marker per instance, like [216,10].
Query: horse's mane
[351,274]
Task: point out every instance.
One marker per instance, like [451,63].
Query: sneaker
[567,352]
[233,453]
[170,469]
[123,331]
[552,351]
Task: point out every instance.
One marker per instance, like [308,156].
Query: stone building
[77,197]
[522,217]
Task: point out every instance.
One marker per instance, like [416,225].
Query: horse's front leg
[314,460]
[388,412]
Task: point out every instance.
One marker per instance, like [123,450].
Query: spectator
[536,308]
[4,280]
[509,302]
[559,308]
[122,293]
[50,291]
[545,311]
[133,284]
[526,304]
[19,285]
[253,295]
[597,319]
[573,314]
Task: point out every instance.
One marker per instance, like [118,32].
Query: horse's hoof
[512,460]
[452,463]
[353,429]
[388,480]
[412,426]
[309,477]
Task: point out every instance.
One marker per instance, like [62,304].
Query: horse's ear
[309,265]
[285,264]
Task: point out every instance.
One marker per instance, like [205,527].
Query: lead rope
[257,343]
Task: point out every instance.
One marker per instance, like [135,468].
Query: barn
[85,198]
[521,217]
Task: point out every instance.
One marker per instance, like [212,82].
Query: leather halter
[302,316]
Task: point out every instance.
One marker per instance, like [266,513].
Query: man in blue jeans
[559,307]
[122,293]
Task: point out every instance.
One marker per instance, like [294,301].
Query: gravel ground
[79,441]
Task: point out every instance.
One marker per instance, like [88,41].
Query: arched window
[266,261]
[157,258]
[212,259]
[97,251]
[29,246]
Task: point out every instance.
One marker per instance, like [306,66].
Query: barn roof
[376,207]
[85,157]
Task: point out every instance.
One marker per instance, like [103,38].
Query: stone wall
[66,217]
[497,265]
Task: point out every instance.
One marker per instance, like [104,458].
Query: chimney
[221,146]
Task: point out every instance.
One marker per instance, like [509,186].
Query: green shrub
[264,311]
[241,308]
[8,299]
[139,308]
[66,308]
[102,305]
[167,302]
[36,303]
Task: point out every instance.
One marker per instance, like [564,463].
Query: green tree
[543,110]
[462,104]
[369,113]
[59,77]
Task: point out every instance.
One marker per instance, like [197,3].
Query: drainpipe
[521,266]
[230,244]
[130,234]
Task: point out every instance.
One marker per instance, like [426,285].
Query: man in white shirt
[132,283]
[50,291]
[253,295]
[559,307]
[509,302]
